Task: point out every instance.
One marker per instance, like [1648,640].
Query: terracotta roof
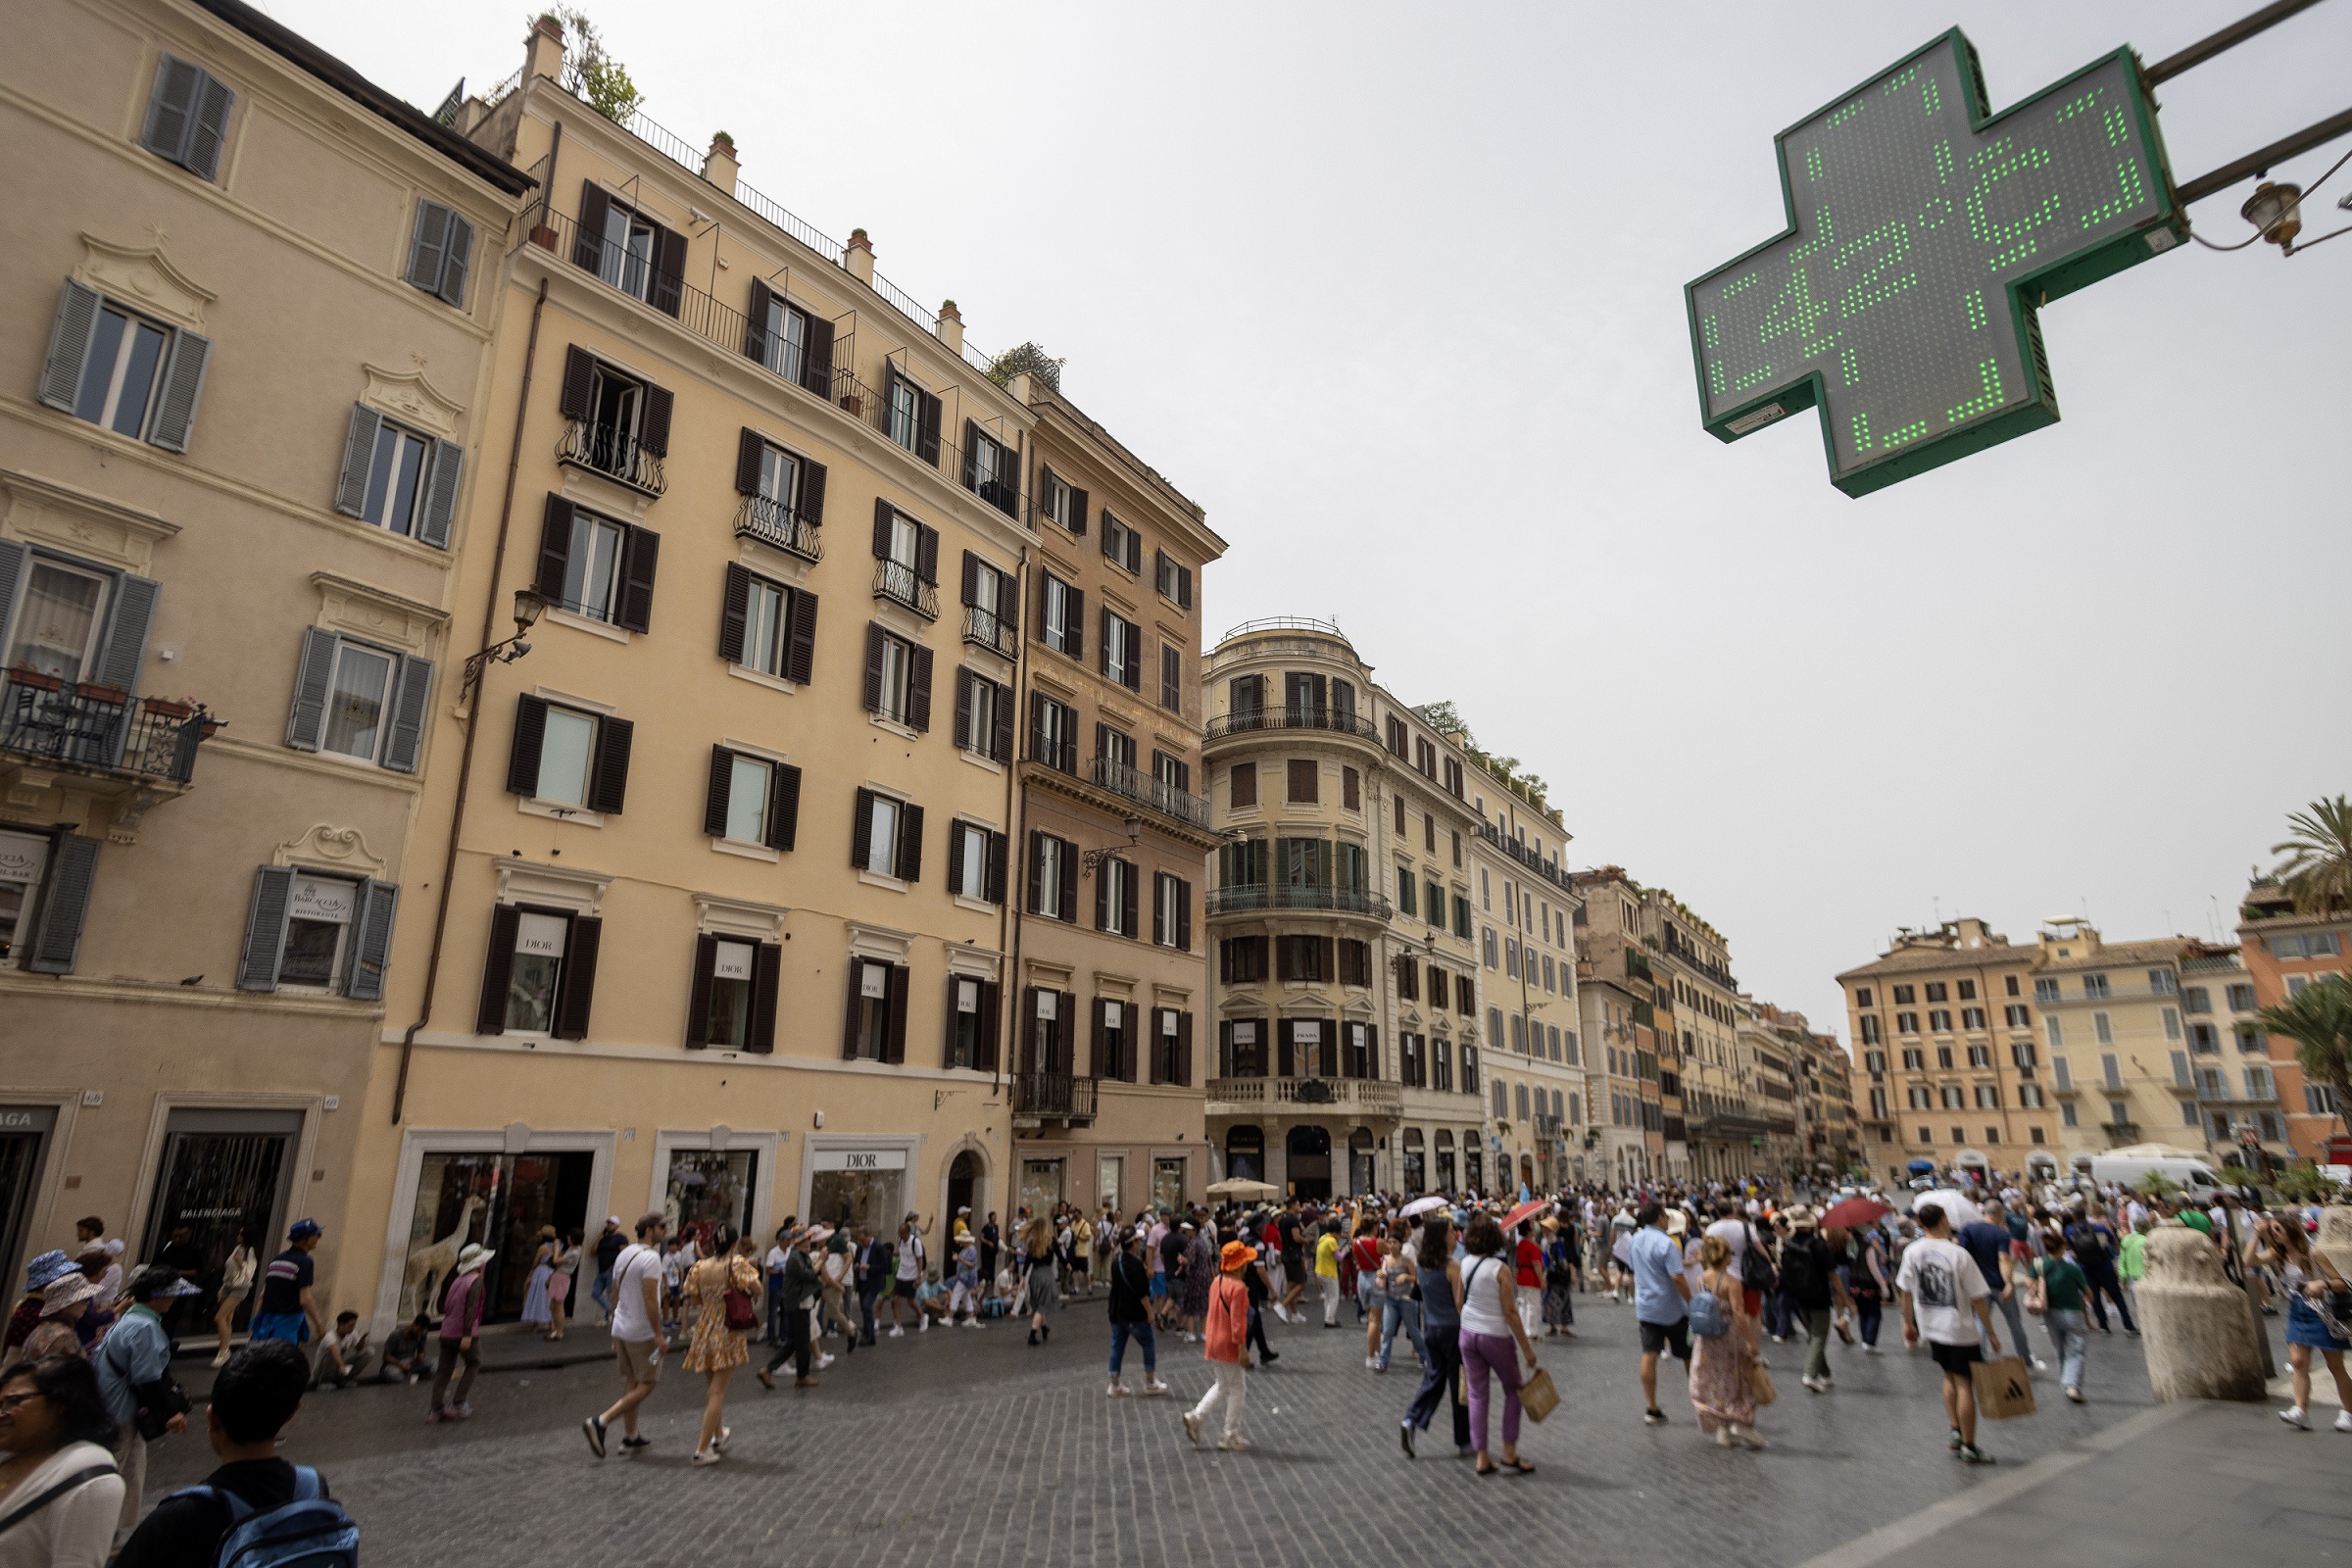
[1927,960]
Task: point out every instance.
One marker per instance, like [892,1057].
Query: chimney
[543,50]
[721,165]
[950,327]
[858,257]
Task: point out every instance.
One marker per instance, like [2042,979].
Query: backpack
[310,1532]
[1707,1319]
[1756,1270]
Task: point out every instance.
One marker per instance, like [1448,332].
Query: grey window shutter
[610,787]
[70,334]
[213,102]
[306,724]
[555,549]
[183,389]
[734,613]
[579,977]
[698,992]
[428,245]
[359,454]
[441,494]
[911,843]
[862,831]
[783,806]
[919,691]
[530,735]
[497,970]
[371,941]
[715,798]
[172,110]
[265,928]
[13,556]
[64,901]
[127,632]
[799,653]
[410,695]
[454,264]
[640,554]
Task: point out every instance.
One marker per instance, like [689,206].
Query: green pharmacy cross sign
[1923,233]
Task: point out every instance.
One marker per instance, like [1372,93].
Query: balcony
[772,522]
[897,582]
[1333,720]
[1537,866]
[618,457]
[1058,1097]
[1258,898]
[2121,1134]
[1149,790]
[99,730]
[987,630]
[1365,1097]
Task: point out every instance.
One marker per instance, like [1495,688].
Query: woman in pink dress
[1722,1387]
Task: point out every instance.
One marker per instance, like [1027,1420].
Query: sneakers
[1723,1437]
[1954,1442]
[457,1412]
[897,1332]
[1969,1453]
[1191,1428]
[719,1442]
[704,1457]
[922,1326]
[1872,1349]
[635,1445]
[2294,1417]
[1371,1364]
[2344,1420]
[1653,1418]
[1813,1384]
[436,1417]
[1404,1434]
[1235,1444]
[2075,1394]
[1154,1386]
[2040,1365]
[1747,1436]
[1118,1391]
[826,1360]
[220,1360]
[594,1426]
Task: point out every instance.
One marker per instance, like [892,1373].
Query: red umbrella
[1527,1210]
[1854,1213]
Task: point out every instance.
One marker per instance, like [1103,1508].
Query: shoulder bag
[79,1479]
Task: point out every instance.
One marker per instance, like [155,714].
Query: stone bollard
[2197,1328]
[2336,1237]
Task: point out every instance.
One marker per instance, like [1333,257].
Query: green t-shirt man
[2131,1259]
[2196,1217]
[2062,1283]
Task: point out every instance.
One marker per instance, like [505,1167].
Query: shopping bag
[1759,1386]
[2004,1390]
[1537,1397]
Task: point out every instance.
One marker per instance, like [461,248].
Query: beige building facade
[1626,1139]
[241,417]
[1527,906]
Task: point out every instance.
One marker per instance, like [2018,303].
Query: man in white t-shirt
[1945,1299]
[1732,1232]
[909,1274]
[636,1334]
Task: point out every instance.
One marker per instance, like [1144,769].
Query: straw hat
[66,1289]
[473,1255]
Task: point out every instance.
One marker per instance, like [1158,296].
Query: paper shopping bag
[1537,1397]
[1759,1386]
[2002,1389]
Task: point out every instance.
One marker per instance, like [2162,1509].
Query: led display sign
[1923,235]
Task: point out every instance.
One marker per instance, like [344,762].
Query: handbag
[1537,1397]
[743,1315]
[1759,1386]
[159,1402]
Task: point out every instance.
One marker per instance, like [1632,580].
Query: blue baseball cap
[302,1228]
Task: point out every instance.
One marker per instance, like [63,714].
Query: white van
[2129,1170]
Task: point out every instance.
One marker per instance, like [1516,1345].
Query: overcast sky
[1396,294]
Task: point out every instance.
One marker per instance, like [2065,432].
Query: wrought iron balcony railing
[50,720]
[772,522]
[1250,720]
[897,582]
[991,631]
[1249,897]
[618,457]
[1054,1094]
[1149,790]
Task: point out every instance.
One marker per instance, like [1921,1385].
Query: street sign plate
[1923,235]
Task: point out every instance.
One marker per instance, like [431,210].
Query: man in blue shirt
[1989,1241]
[1661,1296]
[137,1351]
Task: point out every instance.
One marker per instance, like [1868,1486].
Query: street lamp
[528,606]
[1091,858]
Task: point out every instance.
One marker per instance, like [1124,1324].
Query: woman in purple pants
[1494,1339]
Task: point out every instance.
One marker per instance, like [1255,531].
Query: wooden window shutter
[1159,910]
[750,452]
[767,974]
[783,805]
[441,495]
[588,243]
[523,756]
[1129,885]
[555,549]
[1184,916]
[1184,586]
[370,941]
[179,391]
[1171,679]
[1078,510]
[811,506]
[1286,1062]
[359,454]
[1099,1059]
[265,928]
[849,1027]
[1225,1049]
[1184,1050]
[800,649]
[963,706]
[578,385]
[1104,654]
[610,787]
[926,427]
[873,666]
[698,993]
[1001,751]
[715,797]
[926,554]
[949,1013]
[653,429]
[755,324]
[862,831]
[1037,870]
[955,888]
[918,690]
[579,977]
[734,613]
[1352,789]
[306,720]
[816,358]
[994,889]
[1242,779]
[1401,816]
[1134,674]
[1326,961]
[412,695]
[1069,882]
[498,969]
[669,271]
[992,1025]
[70,333]
[909,860]
[896,1048]
[1029,994]
[971,457]
[1102,896]
[971,578]
[639,556]
[1075,630]
[883,515]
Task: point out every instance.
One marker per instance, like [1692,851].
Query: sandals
[1519,1468]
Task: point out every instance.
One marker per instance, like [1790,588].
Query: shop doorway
[710,1188]
[1308,1169]
[501,1200]
[1040,1185]
[24,1132]
[1246,1154]
[963,1192]
[1167,1184]
[1359,1163]
[222,1172]
[1444,1149]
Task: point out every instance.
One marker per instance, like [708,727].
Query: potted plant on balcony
[166,708]
[34,680]
[100,692]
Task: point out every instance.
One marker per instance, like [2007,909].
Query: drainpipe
[1016,812]
[449,861]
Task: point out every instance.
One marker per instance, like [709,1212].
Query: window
[1305,959]
[752,799]
[1122,545]
[1870,1029]
[1063,505]
[2049,1027]
[1397,736]
[187,117]
[2163,982]
[2259,1085]
[975,863]
[732,998]
[887,837]
[1862,997]
[2029,1096]
[596,567]
[2061,1073]
[1906,1023]
[1302,788]
[1122,652]
[1172,678]
[2305,945]
[906,561]
[2241,998]
[784,496]
[2100,1028]
[1939,1020]
[119,369]
[541,974]
[1400,800]
[2196,998]
[2318,1100]
[1352,789]
[1061,616]
[910,414]
[438,251]
[1242,783]
[1968,990]
[1441,1076]
[1875,1060]
[1053,877]
[2045,991]
[403,482]
[2066,1113]
[2172,1023]
[983,717]
[1175,582]
[1988,1097]
[990,470]
[2021,1053]
[973,1010]
[2017,1015]
[1115,889]
[356,701]
[2118,1113]
[1904,995]
[790,341]
[1406,901]
[1914,1059]
[876,1029]
[1053,733]
[2094,986]
[1171,911]
[768,627]
[2249,1038]
[1979,1056]
[1953,1098]
[1114,1046]
[1461,927]
[1355,963]
[898,679]
[561,757]
[1172,774]
[1242,960]
[1937,990]
[2110,1073]
[313,932]
[1972,1018]
[1486,947]
[1408,978]
[1922,1098]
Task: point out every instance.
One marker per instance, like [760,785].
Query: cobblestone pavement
[963,1447]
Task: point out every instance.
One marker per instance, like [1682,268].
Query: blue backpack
[310,1532]
[1706,1316]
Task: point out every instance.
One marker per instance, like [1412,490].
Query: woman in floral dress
[718,1347]
[1722,1390]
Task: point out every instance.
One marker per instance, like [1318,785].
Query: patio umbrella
[1526,1210]
[1854,1213]
[1422,1205]
[1957,1207]
[1241,1187]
